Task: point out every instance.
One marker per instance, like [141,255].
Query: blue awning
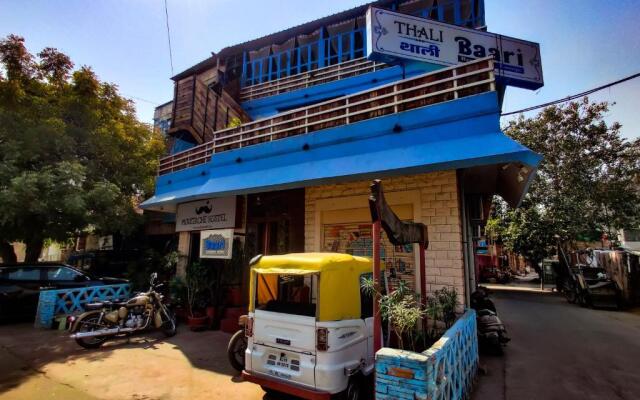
[464,136]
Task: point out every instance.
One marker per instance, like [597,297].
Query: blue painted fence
[444,371]
[53,303]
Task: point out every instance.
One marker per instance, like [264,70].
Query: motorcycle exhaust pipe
[105,332]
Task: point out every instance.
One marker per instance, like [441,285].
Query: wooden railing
[310,78]
[420,91]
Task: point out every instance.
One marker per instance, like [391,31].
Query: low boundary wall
[444,371]
[53,303]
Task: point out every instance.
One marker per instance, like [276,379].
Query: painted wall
[432,198]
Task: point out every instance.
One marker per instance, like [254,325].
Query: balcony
[343,39]
[417,92]
[303,80]
[200,110]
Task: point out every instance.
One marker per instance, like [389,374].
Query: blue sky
[585,43]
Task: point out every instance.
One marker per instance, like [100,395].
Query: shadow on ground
[147,366]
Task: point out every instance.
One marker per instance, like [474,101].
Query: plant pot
[197,323]
[181,313]
[234,296]
[210,312]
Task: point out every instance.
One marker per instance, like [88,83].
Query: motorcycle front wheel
[169,325]
[89,324]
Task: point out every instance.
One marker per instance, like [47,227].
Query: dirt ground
[46,364]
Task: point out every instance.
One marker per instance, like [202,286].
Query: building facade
[275,142]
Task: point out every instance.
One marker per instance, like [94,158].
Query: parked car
[20,285]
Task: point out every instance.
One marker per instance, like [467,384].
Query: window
[632,235]
[287,294]
[22,274]
[62,274]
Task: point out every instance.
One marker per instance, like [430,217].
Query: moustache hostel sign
[391,35]
[206,214]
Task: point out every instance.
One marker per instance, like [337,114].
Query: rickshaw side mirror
[255,260]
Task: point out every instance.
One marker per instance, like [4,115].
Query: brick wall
[439,210]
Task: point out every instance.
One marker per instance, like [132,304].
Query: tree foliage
[586,184]
[73,156]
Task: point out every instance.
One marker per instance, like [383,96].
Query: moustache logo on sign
[206,209]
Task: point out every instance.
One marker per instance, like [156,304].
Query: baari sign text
[392,37]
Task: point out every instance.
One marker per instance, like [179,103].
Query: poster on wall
[206,214]
[216,243]
[355,239]
[392,36]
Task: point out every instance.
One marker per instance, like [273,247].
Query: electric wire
[166,14]
[573,97]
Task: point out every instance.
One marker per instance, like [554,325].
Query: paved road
[562,351]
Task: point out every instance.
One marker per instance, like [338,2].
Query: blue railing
[443,372]
[53,303]
[334,49]
[324,52]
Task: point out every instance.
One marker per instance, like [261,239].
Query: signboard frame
[216,244]
[393,37]
[216,213]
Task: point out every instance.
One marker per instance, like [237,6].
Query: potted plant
[195,284]
[178,293]
[402,310]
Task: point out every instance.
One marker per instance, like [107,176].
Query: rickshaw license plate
[282,360]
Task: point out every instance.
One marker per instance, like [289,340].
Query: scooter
[492,334]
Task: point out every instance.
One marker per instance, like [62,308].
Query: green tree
[586,184]
[73,156]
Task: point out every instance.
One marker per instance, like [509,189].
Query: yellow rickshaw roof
[339,284]
[308,263]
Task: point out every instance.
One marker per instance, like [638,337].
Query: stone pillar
[184,244]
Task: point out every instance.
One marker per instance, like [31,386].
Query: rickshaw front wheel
[354,389]
[570,295]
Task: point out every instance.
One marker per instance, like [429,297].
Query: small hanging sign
[216,243]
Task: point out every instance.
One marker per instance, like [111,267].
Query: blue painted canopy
[462,133]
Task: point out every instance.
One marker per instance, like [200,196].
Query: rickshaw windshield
[287,293]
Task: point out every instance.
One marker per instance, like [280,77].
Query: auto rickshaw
[310,326]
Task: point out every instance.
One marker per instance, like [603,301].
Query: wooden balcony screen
[199,110]
[307,79]
[435,87]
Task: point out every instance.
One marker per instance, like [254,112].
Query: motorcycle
[492,334]
[107,319]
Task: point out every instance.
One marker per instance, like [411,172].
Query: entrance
[275,223]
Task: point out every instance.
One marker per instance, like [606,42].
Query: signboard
[105,242]
[392,36]
[206,214]
[216,243]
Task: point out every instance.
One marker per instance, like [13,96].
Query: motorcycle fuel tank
[138,301]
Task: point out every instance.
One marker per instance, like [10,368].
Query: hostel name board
[392,36]
[206,214]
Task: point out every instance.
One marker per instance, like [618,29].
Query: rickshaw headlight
[248,328]
[322,339]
